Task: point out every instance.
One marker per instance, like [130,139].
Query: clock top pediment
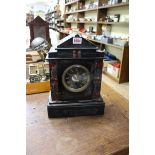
[75,42]
[38,20]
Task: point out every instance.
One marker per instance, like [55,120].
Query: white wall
[115,51]
[73,25]
[62,6]
[91,14]
[119,30]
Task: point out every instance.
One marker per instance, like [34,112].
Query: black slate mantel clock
[75,78]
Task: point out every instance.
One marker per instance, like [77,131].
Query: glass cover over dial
[76,78]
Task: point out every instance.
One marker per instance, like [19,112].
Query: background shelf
[98,14]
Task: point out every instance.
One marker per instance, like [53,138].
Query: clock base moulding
[75,108]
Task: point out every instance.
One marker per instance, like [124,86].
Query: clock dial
[76,78]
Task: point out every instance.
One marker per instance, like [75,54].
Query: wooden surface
[86,135]
[37,87]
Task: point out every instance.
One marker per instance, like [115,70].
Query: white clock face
[76,78]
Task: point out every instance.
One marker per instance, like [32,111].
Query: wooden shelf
[71,2]
[100,42]
[114,5]
[71,21]
[100,13]
[67,13]
[77,11]
[106,23]
[60,26]
[55,19]
[84,10]
[100,7]
[114,23]
[86,22]
[60,20]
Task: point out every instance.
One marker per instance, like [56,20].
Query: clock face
[76,78]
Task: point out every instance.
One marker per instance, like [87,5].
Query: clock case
[39,28]
[66,103]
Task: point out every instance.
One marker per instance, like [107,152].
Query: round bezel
[76,78]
